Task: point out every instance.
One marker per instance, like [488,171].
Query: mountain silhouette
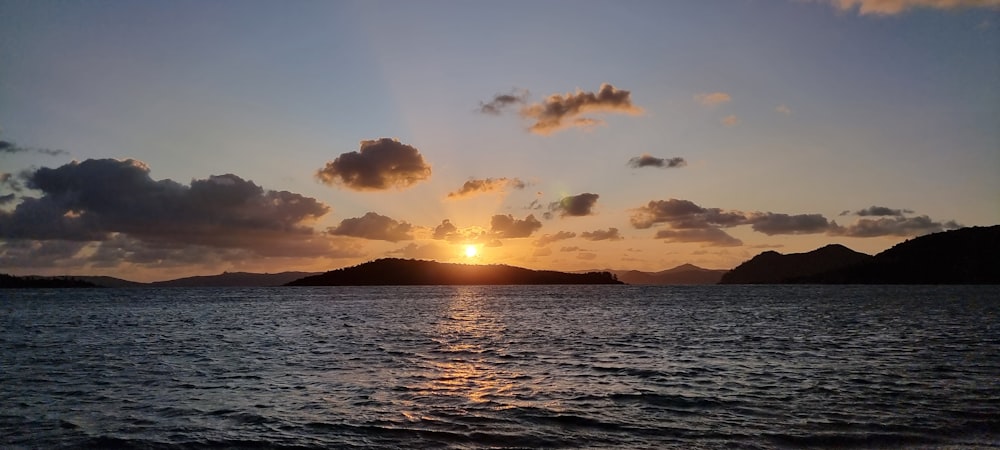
[394,271]
[774,267]
[234,279]
[682,274]
[13,282]
[964,256]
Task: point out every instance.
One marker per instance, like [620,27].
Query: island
[31,282]
[400,272]
[964,256]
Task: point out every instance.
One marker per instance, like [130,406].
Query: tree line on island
[964,256]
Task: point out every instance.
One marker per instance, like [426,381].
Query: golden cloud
[712,98]
[890,7]
[558,112]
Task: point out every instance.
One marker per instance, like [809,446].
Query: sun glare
[471,251]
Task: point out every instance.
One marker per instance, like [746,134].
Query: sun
[471,251]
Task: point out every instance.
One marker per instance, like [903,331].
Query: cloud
[586,256]
[571,249]
[12,148]
[506,226]
[890,7]
[895,226]
[611,234]
[94,199]
[550,238]
[501,101]
[558,112]
[773,223]
[784,110]
[483,185]
[712,237]
[684,214]
[730,121]
[542,251]
[712,98]
[379,164]
[574,205]
[647,160]
[8,181]
[879,211]
[426,251]
[446,231]
[689,222]
[374,226]
[9,198]
[39,254]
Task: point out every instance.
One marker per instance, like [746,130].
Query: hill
[683,274]
[110,282]
[774,267]
[234,279]
[964,256]
[12,282]
[393,271]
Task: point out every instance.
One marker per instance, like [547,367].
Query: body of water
[513,366]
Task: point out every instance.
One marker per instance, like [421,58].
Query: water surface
[513,366]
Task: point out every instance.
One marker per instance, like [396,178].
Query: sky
[155,140]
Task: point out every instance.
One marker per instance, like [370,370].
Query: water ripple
[512,367]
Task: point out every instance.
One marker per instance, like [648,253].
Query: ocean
[502,367]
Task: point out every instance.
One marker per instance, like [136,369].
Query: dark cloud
[375,227]
[39,254]
[684,214]
[91,200]
[690,222]
[558,112]
[483,185]
[895,226]
[7,180]
[574,205]
[588,256]
[506,226]
[445,231]
[880,211]
[550,238]
[773,223]
[611,234]
[379,164]
[708,236]
[9,198]
[121,248]
[647,160]
[501,101]
[572,249]
[11,148]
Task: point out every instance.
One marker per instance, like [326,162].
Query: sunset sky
[154,140]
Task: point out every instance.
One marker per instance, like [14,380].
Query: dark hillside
[964,256]
[774,267]
[12,282]
[391,271]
